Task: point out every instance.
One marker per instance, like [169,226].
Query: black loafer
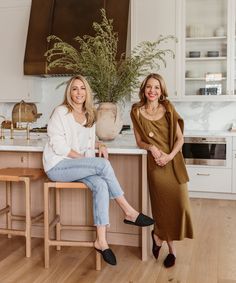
[155,247]
[169,260]
[142,220]
[108,256]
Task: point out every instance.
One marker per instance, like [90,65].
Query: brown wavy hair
[88,106]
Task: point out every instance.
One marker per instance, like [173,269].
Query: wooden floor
[209,258]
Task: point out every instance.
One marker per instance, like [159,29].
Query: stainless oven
[210,151]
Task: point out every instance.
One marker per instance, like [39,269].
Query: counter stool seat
[25,175]
[56,221]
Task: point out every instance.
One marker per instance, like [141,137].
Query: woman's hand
[163,159]
[102,151]
[156,153]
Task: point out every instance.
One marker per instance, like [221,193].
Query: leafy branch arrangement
[110,79]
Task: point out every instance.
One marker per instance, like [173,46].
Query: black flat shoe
[169,260]
[155,247]
[108,256]
[142,220]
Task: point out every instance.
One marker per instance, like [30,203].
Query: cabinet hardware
[22,159]
[202,174]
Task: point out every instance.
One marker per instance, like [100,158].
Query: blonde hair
[143,98]
[88,105]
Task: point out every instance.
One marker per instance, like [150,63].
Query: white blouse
[64,134]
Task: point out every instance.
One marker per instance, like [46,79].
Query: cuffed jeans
[98,174]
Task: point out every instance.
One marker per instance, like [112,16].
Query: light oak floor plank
[209,258]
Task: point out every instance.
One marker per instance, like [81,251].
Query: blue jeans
[98,174]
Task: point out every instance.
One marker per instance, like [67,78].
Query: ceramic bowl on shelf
[192,74]
[194,54]
[213,53]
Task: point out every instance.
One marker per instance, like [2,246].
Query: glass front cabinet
[207,49]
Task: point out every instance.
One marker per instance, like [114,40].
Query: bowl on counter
[194,54]
[213,53]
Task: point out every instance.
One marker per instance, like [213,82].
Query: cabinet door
[148,22]
[203,179]
[14,17]
[208,45]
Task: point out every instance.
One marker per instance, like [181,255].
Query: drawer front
[209,180]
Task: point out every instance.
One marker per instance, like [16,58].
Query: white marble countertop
[123,144]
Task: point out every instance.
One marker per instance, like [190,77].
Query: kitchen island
[129,163]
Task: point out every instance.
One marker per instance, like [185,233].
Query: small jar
[220,31]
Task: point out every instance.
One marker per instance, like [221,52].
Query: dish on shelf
[192,74]
[194,54]
[213,53]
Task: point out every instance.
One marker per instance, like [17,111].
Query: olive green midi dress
[169,199]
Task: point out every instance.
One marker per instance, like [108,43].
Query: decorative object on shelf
[196,30]
[194,54]
[192,74]
[208,91]
[213,77]
[213,53]
[220,31]
[111,79]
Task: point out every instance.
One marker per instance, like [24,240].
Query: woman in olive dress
[158,128]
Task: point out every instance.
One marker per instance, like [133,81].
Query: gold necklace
[153,111]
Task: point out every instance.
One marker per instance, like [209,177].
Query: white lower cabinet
[208,179]
[234,170]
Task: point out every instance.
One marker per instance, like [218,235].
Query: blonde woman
[69,155]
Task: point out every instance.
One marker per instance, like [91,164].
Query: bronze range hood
[67,19]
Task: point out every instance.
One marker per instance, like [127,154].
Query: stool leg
[27,217]
[98,261]
[46,225]
[9,203]
[58,212]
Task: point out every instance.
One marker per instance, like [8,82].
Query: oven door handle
[202,174]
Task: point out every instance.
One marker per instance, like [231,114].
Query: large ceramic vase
[109,122]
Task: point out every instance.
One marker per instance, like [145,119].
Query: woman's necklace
[151,111]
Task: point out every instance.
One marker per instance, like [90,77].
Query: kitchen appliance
[210,151]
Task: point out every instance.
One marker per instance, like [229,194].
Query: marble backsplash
[197,115]
[202,115]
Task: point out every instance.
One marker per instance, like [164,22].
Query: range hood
[67,19]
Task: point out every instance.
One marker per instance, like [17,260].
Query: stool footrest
[5,210]
[54,221]
[70,243]
[77,227]
[37,217]
[12,232]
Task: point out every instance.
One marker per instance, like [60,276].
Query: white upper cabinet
[149,20]
[207,57]
[14,86]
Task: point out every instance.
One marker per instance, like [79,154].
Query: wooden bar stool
[25,175]
[56,221]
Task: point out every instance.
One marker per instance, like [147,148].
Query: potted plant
[111,80]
